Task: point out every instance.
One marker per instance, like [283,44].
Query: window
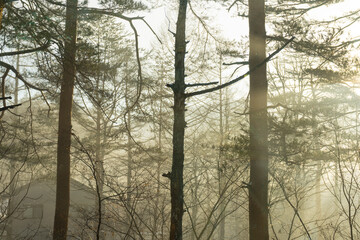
[38,211]
[33,211]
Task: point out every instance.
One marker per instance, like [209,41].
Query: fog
[179,120]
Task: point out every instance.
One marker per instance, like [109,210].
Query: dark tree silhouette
[258,186]
[64,137]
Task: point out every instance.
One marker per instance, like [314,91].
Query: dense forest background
[123,90]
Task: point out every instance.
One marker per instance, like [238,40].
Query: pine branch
[8,66]
[84,10]
[87,10]
[241,77]
[43,47]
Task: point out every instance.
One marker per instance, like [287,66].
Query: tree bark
[64,134]
[13,177]
[99,162]
[221,169]
[258,187]
[129,155]
[177,192]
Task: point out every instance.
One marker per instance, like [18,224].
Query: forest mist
[199,133]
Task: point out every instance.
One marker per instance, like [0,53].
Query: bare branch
[84,10]
[139,90]
[200,84]
[56,3]
[4,98]
[9,107]
[241,77]
[202,23]
[130,20]
[3,89]
[47,103]
[296,210]
[43,47]
[169,26]
[167,175]
[8,66]
[237,63]
[231,5]
[152,30]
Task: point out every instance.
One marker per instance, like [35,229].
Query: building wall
[34,216]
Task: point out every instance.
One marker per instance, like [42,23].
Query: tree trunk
[258,187]
[99,164]
[194,189]
[64,134]
[129,156]
[221,163]
[177,193]
[13,177]
[159,160]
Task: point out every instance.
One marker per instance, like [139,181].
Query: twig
[296,210]
[231,5]
[169,26]
[152,30]
[130,20]
[47,103]
[241,77]
[235,71]
[202,23]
